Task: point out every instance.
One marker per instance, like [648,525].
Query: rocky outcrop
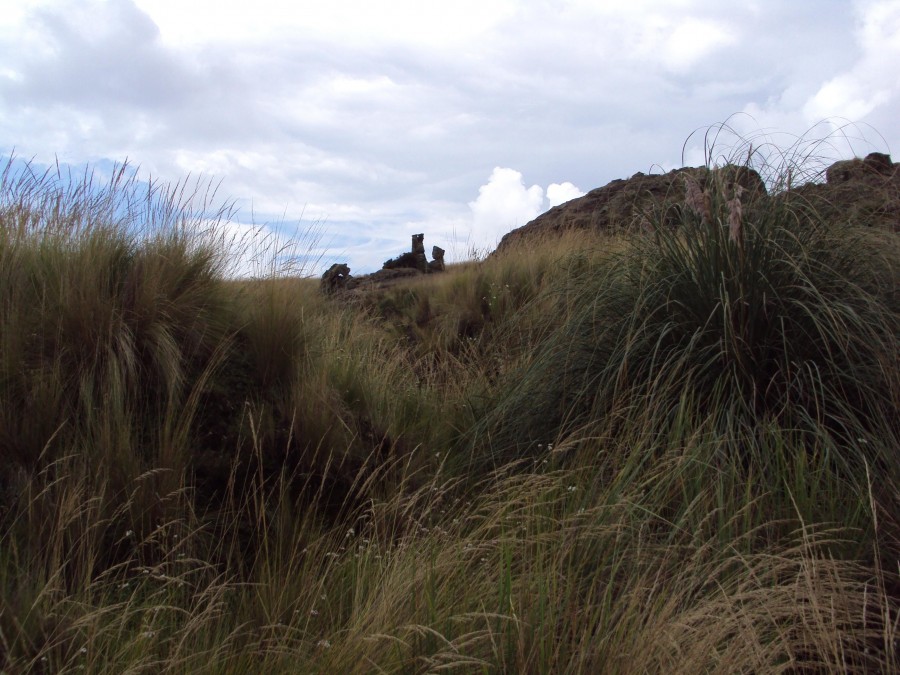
[414,259]
[413,263]
[855,191]
[626,204]
[436,265]
[336,278]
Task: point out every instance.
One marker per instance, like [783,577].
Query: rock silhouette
[410,264]
[856,191]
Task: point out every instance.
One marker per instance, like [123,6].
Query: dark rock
[857,191]
[410,264]
[415,259]
[418,243]
[626,204]
[408,260]
[437,264]
[336,278]
[874,165]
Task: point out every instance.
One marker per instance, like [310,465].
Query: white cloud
[694,39]
[260,250]
[504,203]
[408,21]
[872,81]
[850,104]
[560,193]
[380,117]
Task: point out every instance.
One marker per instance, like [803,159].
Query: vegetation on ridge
[666,451]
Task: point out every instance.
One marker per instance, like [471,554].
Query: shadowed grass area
[672,451]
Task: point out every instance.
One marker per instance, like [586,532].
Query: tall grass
[665,452]
[775,317]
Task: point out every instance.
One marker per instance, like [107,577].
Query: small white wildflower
[83,650]
[129,533]
[324,644]
[313,612]
[572,488]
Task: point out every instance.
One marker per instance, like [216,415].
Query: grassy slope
[673,452]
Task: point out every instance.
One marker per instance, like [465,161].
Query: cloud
[504,203]
[560,193]
[871,82]
[406,21]
[694,39]
[383,118]
[260,250]
[851,100]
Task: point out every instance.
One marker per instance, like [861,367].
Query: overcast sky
[462,119]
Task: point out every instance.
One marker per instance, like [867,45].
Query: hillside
[664,448]
[862,192]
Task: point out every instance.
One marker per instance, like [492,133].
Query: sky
[371,120]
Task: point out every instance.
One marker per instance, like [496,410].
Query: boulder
[418,243]
[437,264]
[336,278]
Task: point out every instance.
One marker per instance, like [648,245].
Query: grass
[669,451]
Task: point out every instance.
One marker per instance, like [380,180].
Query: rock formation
[413,259]
[437,264]
[410,264]
[856,191]
[336,278]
